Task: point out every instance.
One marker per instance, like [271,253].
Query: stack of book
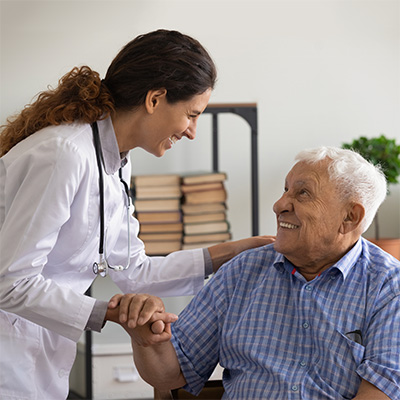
[204,210]
[157,201]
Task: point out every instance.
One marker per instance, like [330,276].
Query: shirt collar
[112,158]
[344,265]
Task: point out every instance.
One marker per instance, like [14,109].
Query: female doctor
[64,211]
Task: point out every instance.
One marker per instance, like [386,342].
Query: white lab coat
[49,238]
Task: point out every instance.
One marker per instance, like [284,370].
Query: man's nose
[284,204]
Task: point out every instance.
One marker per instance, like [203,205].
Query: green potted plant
[385,152]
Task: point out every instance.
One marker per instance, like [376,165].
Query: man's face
[309,216]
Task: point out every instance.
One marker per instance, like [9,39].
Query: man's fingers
[158,327]
[162,320]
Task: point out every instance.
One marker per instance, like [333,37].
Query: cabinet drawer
[114,374]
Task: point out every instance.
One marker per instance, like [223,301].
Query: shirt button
[306,325]
[333,277]
[295,388]
[309,288]
[302,364]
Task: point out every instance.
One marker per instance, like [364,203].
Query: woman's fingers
[136,308]
[114,301]
[139,309]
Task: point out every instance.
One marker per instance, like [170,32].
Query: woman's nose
[191,130]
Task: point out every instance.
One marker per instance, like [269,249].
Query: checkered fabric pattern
[279,336]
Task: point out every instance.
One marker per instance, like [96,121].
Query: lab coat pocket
[19,346]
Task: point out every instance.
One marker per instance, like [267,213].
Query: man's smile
[288,225]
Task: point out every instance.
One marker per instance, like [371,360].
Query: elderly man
[316,315]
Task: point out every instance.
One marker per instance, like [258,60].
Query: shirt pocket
[19,346]
[335,368]
[357,350]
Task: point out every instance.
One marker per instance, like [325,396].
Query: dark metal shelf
[249,113]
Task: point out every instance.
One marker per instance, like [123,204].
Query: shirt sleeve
[96,319]
[180,273]
[381,364]
[208,266]
[196,334]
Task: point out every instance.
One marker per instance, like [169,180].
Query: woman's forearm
[223,252]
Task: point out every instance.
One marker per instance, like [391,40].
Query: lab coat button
[62,373]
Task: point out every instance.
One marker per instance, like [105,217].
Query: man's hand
[156,331]
[142,316]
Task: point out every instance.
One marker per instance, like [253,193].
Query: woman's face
[168,123]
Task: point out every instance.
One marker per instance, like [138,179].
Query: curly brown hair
[80,96]
[160,59]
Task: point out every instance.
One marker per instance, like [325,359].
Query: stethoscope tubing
[97,146]
[101,268]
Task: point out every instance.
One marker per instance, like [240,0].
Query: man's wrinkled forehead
[308,173]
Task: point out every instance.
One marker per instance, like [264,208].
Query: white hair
[355,177]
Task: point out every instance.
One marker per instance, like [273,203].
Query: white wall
[322,72]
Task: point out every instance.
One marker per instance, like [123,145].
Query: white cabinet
[114,375]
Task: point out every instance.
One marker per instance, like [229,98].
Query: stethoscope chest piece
[101,267]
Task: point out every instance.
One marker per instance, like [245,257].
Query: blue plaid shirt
[279,336]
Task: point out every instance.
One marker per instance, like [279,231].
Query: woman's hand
[223,252]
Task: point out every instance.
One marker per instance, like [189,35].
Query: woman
[53,184]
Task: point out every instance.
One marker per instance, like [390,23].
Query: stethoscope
[101,267]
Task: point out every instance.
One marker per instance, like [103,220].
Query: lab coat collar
[112,158]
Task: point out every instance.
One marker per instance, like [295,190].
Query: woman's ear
[352,221]
[153,99]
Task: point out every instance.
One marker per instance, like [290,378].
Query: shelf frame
[248,111]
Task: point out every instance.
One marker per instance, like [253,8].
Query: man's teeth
[287,225]
[173,139]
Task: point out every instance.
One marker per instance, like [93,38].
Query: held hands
[142,316]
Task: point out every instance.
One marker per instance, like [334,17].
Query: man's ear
[352,221]
[153,99]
